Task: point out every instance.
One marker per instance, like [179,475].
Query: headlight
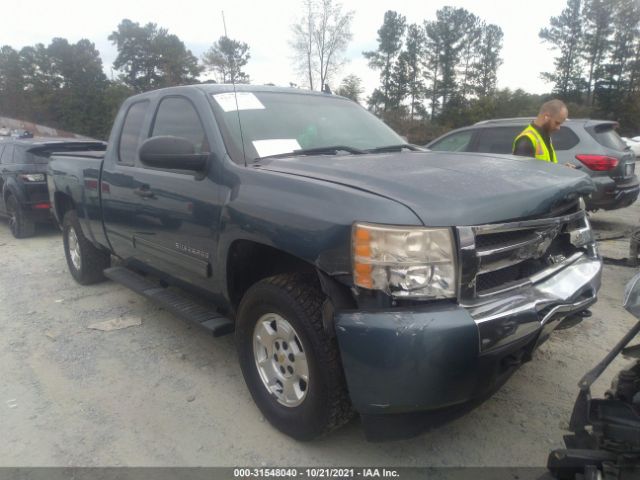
[33,177]
[404,262]
[581,204]
[582,235]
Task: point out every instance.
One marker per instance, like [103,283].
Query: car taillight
[599,163]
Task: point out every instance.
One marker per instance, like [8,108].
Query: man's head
[552,114]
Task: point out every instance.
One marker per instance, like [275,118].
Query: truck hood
[449,189]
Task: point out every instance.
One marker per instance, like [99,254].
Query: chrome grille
[497,257]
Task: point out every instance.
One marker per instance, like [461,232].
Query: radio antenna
[235,93]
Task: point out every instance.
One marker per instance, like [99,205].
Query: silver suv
[591,145]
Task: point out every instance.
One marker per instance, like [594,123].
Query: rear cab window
[131,134]
[7,155]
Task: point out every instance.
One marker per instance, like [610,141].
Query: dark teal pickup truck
[359,273]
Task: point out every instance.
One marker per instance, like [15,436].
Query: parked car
[633,144]
[21,133]
[360,273]
[592,146]
[23,182]
[5,132]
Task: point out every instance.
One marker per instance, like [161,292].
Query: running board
[180,306]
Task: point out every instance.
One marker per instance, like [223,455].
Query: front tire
[86,262]
[290,364]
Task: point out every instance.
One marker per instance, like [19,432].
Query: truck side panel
[75,178]
[306,218]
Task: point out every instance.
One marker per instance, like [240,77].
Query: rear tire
[19,224]
[86,262]
[285,311]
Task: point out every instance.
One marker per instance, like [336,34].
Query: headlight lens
[33,177]
[404,262]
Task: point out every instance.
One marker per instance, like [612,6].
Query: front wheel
[86,262]
[290,364]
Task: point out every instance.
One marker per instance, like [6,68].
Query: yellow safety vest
[541,150]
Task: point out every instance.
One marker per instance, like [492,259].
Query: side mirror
[632,296]
[173,153]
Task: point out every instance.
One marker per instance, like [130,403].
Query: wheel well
[63,203]
[249,262]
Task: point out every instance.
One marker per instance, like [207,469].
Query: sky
[266,28]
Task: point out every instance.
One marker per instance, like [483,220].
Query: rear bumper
[611,195]
[444,354]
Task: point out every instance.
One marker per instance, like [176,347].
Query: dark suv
[590,145]
[23,180]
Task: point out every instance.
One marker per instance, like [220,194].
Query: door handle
[144,192]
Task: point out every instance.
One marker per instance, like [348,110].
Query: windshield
[275,123]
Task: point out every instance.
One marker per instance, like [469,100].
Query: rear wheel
[86,262]
[19,224]
[290,364]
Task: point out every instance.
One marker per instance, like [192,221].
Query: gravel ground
[164,394]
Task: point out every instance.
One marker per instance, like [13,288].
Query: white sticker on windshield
[246,101]
[274,146]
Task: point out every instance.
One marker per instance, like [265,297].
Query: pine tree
[351,87]
[597,30]
[390,37]
[227,57]
[565,35]
[485,71]
[149,57]
[445,43]
[472,29]
[12,85]
[414,49]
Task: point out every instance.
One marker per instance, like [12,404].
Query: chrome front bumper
[567,288]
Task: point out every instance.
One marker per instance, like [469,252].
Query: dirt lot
[164,394]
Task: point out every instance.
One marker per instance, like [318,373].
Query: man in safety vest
[535,140]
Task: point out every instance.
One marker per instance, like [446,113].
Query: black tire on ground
[19,224]
[298,299]
[86,262]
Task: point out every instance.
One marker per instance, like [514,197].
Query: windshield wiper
[394,148]
[332,150]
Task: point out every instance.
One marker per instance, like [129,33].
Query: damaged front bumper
[442,354]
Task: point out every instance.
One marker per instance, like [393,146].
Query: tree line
[434,75]
[597,58]
[441,74]
[63,85]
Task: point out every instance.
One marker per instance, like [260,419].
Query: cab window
[177,117]
[131,136]
[497,139]
[456,142]
[7,155]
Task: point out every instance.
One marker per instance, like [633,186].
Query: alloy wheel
[281,360]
